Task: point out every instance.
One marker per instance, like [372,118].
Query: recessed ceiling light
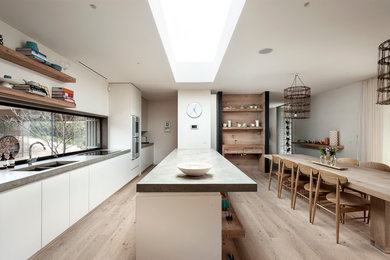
[266,51]
[92,6]
[306,4]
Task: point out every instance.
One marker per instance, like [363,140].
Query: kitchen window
[61,133]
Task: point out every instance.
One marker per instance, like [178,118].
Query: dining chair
[344,202]
[349,161]
[376,166]
[285,177]
[274,160]
[309,187]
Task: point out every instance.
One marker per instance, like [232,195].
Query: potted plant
[323,154]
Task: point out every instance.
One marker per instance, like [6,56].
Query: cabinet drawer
[233,150]
[253,150]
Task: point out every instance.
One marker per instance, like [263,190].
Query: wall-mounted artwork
[167,126]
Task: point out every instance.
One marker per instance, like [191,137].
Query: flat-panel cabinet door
[79,181]
[20,222]
[100,182]
[55,207]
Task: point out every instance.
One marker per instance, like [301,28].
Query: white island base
[178,225]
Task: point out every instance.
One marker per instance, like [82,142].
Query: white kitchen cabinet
[107,177]
[78,205]
[100,185]
[147,157]
[55,207]
[20,222]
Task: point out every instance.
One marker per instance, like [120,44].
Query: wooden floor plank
[273,230]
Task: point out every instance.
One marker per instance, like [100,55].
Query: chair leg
[316,199]
[281,182]
[270,175]
[278,189]
[311,198]
[337,213]
[368,217]
[292,186]
[296,190]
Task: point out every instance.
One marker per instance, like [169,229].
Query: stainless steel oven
[135,148]
[135,126]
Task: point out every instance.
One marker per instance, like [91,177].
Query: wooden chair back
[306,170]
[289,164]
[350,161]
[276,159]
[331,178]
[376,166]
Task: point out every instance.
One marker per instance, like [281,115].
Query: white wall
[188,138]
[159,112]
[144,115]
[91,93]
[214,122]
[337,109]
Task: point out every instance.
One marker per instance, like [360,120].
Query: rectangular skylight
[195,34]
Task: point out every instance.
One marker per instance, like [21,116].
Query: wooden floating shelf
[24,61]
[242,128]
[234,228]
[33,98]
[243,110]
[316,146]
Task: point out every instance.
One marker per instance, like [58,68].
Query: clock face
[194,110]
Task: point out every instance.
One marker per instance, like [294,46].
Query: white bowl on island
[194,169]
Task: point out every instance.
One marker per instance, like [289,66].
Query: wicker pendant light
[383,85]
[297,100]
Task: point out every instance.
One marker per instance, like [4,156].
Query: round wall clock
[194,110]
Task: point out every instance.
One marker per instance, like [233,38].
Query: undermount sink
[45,166]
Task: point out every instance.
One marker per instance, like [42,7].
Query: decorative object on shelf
[225,124]
[229,123]
[297,100]
[194,169]
[334,138]
[31,45]
[1,40]
[9,144]
[383,83]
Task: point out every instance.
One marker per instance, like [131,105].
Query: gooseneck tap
[31,160]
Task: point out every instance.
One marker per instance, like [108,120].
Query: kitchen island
[179,217]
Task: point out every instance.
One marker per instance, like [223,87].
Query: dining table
[372,182]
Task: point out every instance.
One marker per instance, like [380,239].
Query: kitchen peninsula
[180,216]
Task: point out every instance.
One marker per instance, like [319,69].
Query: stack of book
[33,54]
[63,94]
[31,89]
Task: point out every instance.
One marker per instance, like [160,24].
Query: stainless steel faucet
[31,160]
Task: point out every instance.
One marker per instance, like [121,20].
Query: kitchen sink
[45,166]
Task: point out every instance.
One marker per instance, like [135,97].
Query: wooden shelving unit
[24,61]
[243,110]
[231,230]
[242,128]
[32,99]
[248,142]
[316,146]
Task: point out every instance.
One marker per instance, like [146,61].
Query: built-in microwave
[135,126]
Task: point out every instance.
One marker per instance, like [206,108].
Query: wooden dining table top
[373,182]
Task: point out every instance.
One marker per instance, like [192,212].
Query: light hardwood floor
[273,230]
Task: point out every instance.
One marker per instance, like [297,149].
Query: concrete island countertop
[224,176]
[13,178]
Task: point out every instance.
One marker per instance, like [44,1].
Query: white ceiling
[331,43]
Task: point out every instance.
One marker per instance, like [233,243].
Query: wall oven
[135,148]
